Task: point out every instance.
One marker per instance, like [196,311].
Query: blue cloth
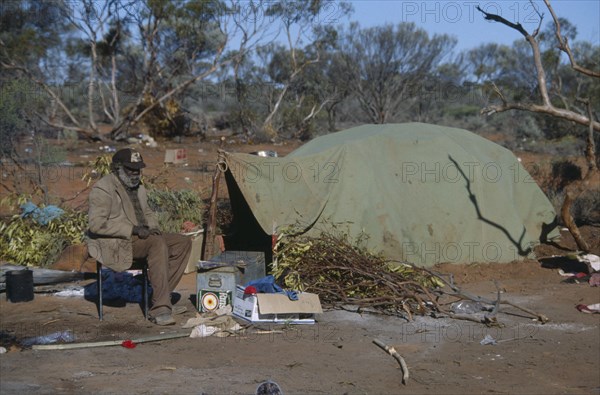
[267,285]
[41,215]
[117,286]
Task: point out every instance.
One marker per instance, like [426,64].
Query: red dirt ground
[334,356]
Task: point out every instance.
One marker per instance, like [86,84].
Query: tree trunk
[331,119]
[91,83]
[572,191]
[115,93]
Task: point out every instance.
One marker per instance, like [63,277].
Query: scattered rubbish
[2,350]
[589,309]
[577,278]
[265,154]
[392,351]
[488,340]
[203,331]
[107,148]
[467,307]
[276,307]
[128,344]
[71,292]
[595,280]
[562,273]
[268,285]
[149,141]
[62,336]
[176,156]
[593,261]
[220,326]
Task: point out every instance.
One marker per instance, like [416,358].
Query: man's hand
[141,231]
[155,231]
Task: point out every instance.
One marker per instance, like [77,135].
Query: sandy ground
[334,356]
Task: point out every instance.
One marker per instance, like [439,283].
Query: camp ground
[510,309]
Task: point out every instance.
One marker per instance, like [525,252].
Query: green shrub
[175,207]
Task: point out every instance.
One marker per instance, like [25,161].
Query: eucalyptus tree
[383,64]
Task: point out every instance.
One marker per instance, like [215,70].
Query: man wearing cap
[122,227]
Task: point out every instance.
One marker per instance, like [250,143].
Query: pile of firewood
[343,273]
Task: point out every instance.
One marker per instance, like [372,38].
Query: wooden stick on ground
[397,356]
[71,346]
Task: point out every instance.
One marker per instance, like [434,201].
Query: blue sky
[461,19]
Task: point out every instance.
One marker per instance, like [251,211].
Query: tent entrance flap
[245,233]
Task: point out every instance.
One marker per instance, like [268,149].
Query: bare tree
[585,118]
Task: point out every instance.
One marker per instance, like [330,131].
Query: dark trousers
[167,257]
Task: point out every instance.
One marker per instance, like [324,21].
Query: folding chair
[144,266]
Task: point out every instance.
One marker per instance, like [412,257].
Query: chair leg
[99,286]
[145,290]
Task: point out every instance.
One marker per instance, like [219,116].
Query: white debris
[488,340]
[68,293]
[592,260]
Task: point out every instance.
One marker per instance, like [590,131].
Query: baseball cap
[129,158]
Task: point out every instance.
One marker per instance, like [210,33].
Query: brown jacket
[111,221]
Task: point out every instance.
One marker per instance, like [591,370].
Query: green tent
[422,193]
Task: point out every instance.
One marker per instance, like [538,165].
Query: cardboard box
[276,308]
[176,156]
[209,301]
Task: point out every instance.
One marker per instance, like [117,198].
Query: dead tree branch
[546,107]
[392,351]
[563,45]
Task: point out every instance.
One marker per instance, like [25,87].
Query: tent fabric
[421,193]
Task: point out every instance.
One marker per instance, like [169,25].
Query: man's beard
[130,181]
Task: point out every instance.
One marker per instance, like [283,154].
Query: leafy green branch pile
[342,273]
[24,241]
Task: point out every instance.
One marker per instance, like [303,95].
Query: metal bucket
[19,285]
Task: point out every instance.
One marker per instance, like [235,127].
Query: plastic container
[19,285]
[467,307]
[65,336]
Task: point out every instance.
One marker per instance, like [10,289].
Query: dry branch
[343,274]
[546,107]
[392,351]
